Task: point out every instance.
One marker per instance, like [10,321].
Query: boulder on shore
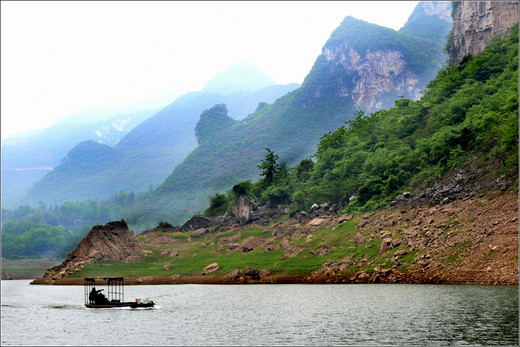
[210,268]
[242,210]
[196,223]
[251,243]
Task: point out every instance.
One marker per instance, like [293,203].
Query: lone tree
[269,166]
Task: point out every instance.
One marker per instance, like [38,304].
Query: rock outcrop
[210,268]
[476,23]
[242,210]
[196,223]
[373,73]
[112,241]
[376,72]
[251,243]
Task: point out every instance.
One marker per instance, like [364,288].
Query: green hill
[146,155]
[464,129]
[293,124]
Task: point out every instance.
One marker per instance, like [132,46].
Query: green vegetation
[56,230]
[143,158]
[194,254]
[427,27]
[420,40]
[229,152]
[469,111]
[28,268]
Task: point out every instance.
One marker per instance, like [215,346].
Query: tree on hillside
[269,166]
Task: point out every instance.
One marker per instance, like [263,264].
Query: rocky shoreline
[450,234]
[388,277]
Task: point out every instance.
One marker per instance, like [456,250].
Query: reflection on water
[352,314]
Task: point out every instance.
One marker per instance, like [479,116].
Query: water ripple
[265,315]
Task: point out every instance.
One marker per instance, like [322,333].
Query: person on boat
[96,296]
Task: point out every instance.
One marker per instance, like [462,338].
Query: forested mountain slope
[423,192]
[362,67]
[458,140]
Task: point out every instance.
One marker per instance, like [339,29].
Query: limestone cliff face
[112,241]
[476,23]
[372,65]
[375,73]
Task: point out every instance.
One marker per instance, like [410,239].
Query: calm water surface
[352,314]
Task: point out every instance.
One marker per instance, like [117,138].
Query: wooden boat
[115,294]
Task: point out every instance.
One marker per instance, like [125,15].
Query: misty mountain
[232,81]
[29,156]
[430,20]
[150,151]
[363,67]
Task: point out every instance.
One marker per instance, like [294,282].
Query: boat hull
[122,304]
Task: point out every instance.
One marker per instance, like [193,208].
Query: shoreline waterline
[398,278]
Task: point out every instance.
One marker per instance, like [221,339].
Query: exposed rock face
[368,72]
[200,232]
[376,72]
[291,252]
[231,239]
[251,243]
[112,241]
[476,23]
[321,250]
[196,223]
[317,222]
[242,210]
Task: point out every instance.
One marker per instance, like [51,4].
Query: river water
[350,314]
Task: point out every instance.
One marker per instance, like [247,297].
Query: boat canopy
[115,288]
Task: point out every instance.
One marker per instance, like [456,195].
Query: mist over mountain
[152,149]
[241,77]
[353,187]
[426,20]
[29,156]
[363,66]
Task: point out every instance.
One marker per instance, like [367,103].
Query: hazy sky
[58,58]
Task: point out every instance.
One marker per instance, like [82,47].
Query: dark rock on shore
[196,223]
[112,241]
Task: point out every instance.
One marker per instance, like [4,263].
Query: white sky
[61,57]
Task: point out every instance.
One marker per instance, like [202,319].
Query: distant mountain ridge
[150,151]
[27,157]
[362,67]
